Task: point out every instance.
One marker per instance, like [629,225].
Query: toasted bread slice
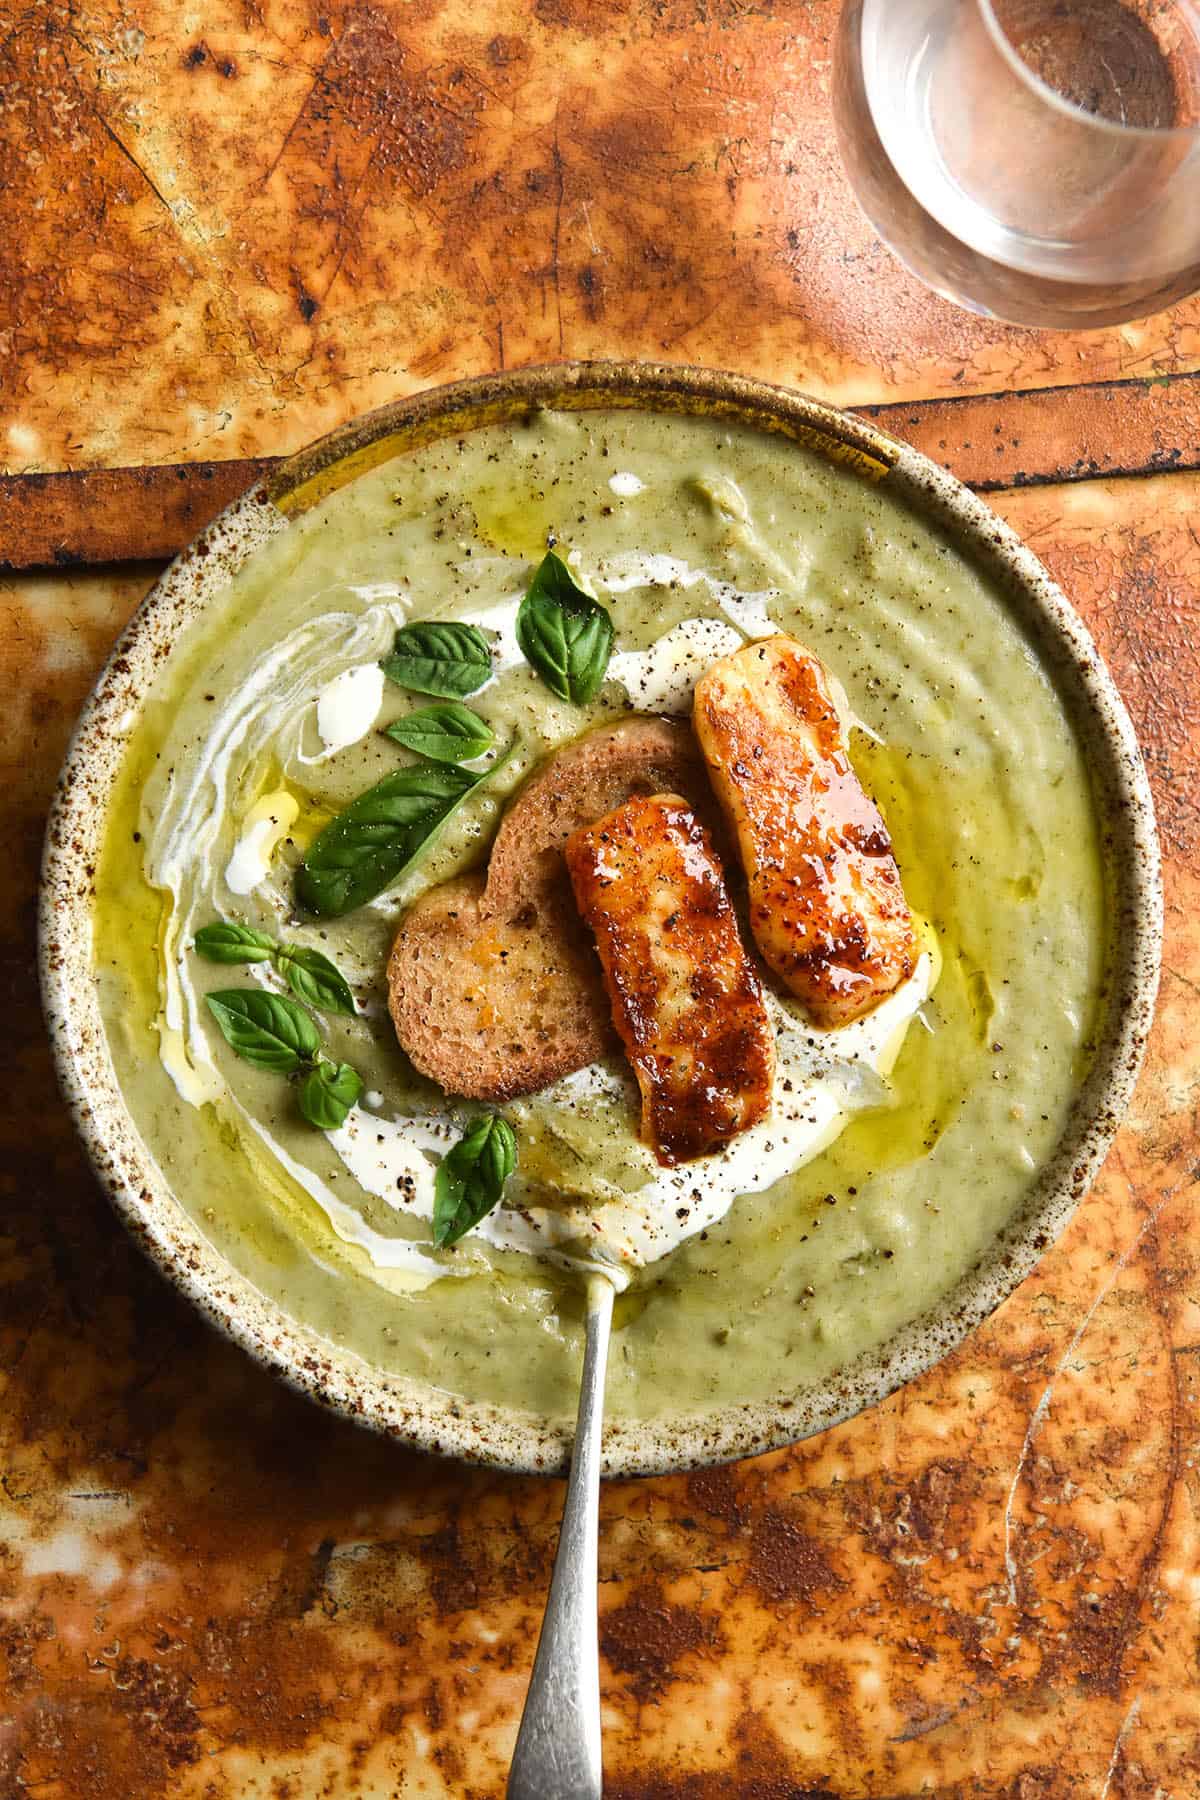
[826,905]
[686,1000]
[493,983]
[494,1006]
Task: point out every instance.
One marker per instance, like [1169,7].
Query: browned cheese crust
[493,984]
[826,905]
[685,998]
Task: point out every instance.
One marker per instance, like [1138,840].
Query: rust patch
[757,1766]
[788,1564]
[114,515]
[130,1730]
[567,15]
[646,1637]
[718,1493]
[1056,435]
[376,121]
[918,1519]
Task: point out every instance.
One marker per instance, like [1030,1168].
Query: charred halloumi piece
[685,997]
[826,906]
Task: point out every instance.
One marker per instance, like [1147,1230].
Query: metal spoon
[558,1746]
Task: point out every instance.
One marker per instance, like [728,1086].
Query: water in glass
[1034,159]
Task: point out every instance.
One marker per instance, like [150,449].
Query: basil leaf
[265,1029]
[327,1093]
[563,632]
[446,734]
[311,975]
[224,942]
[471,1177]
[364,849]
[308,973]
[444,659]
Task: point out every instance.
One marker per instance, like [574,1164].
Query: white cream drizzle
[500,622]
[394,1159]
[183,844]
[396,1254]
[196,1080]
[822,1078]
[347,707]
[663,678]
[266,825]
[750,612]
[626,484]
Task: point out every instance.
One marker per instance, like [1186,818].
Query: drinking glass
[1036,160]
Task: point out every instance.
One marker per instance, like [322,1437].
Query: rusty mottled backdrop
[222,230]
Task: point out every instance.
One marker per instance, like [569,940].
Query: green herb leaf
[439,658]
[311,975]
[328,1092]
[446,734]
[471,1177]
[564,633]
[224,942]
[362,851]
[265,1029]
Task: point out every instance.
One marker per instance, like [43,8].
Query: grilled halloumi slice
[685,997]
[826,906]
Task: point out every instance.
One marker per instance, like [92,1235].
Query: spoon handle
[558,1746]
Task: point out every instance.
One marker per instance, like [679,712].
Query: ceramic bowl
[420,1415]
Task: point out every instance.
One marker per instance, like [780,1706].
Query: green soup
[268,719]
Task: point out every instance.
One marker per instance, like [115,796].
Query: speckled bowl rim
[418,1414]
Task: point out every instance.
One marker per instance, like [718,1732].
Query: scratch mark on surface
[350,222]
[130,158]
[942,1715]
[560,181]
[318,78]
[1043,1405]
[1126,1726]
[680,336]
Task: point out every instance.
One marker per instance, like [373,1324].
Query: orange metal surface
[223,231]
[220,240]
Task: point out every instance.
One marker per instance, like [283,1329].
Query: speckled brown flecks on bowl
[408,1410]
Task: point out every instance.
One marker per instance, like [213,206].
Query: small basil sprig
[265,1029]
[367,846]
[308,972]
[446,734]
[328,1092]
[440,658]
[272,1032]
[225,942]
[311,975]
[563,632]
[471,1177]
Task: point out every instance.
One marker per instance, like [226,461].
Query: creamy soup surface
[895,1149]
